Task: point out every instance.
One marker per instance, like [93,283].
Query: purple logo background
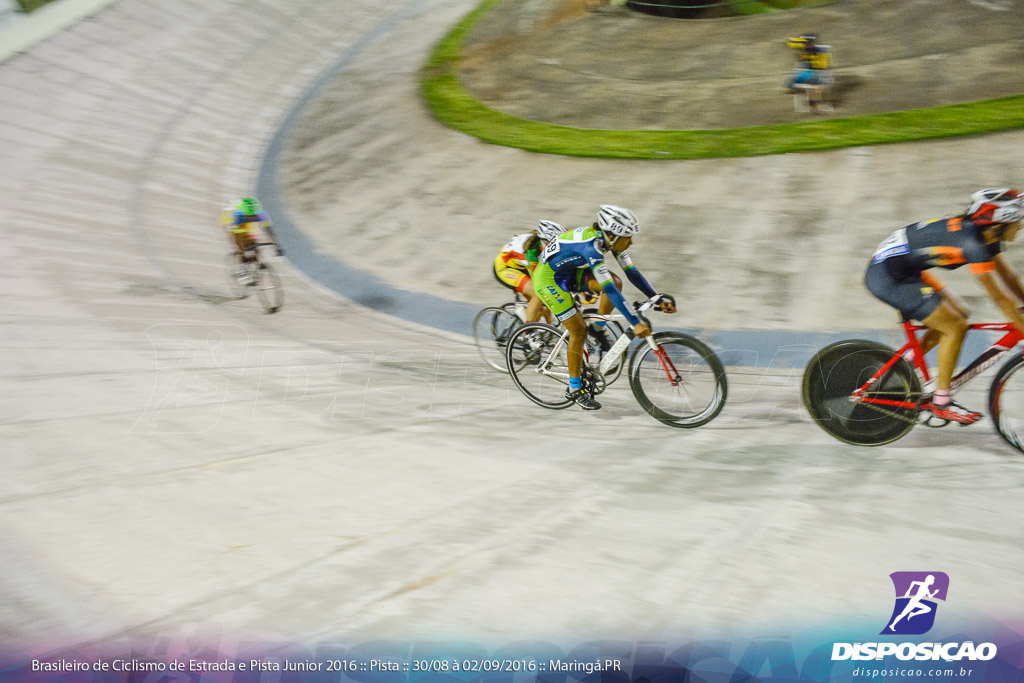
[915,608]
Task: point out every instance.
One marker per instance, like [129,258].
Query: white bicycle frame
[618,348]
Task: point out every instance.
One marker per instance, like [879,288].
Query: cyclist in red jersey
[898,275]
[516,261]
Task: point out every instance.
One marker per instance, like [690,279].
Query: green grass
[29,5]
[453,106]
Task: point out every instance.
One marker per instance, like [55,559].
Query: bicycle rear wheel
[1006,402]
[840,369]
[536,359]
[681,384]
[268,288]
[491,329]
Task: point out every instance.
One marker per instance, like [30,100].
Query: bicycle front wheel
[491,329]
[536,359]
[1006,402]
[239,289]
[844,367]
[268,288]
[681,382]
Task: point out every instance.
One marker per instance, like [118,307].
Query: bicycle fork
[666,363]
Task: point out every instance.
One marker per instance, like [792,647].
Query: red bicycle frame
[983,362]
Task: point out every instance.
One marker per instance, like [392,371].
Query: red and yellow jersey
[520,253]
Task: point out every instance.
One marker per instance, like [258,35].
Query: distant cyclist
[898,276]
[814,62]
[243,221]
[575,263]
[516,261]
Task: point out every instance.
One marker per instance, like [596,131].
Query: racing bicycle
[494,325]
[868,394]
[675,377]
[256,275]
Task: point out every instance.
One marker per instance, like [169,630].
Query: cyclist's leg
[604,306]
[244,243]
[951,327]
[577,335]
[535,308]
[915,299]
[563,307]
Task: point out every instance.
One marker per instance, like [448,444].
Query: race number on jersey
[549,251]
[894,245]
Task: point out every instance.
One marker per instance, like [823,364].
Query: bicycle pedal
[934,421]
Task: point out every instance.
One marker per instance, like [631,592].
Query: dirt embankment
[585,64]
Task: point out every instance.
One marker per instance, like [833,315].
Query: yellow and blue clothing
[237,222]
[815,63]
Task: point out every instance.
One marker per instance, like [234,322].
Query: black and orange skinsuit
[898,273]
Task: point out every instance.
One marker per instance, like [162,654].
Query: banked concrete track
[175,461]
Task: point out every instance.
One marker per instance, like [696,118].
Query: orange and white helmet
[996,205]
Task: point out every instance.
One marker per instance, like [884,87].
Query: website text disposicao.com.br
[952,660]
[900,672]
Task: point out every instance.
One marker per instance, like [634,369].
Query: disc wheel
[844,367]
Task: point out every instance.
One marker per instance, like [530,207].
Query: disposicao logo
[913,615]
[916,593]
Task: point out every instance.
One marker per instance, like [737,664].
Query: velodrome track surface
[175,461]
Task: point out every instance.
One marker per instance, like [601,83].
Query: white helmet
[997,205]
[617,221]
[549,230]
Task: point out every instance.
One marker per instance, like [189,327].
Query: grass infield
[453,106]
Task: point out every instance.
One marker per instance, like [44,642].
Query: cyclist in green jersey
[575,263]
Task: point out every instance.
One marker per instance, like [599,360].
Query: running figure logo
[916,593]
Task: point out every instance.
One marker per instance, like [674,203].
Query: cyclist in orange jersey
[898,275]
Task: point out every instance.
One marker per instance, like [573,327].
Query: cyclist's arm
[604,278]
[533,258]
[634,275]
[268,227]
[640,282]
[984,273]
[1009,277]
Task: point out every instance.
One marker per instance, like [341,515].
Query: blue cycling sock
[575,383]
[599,324]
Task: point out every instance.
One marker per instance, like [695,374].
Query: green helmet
[250,206]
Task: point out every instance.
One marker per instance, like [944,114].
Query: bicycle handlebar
[653,301]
